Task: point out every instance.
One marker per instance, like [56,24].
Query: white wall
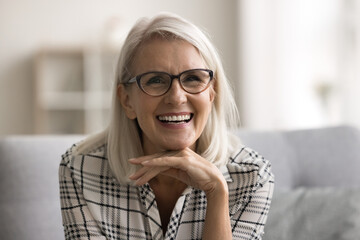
[276,52]
[350,62]
[298,67]
[28,25]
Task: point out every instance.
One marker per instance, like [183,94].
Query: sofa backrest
[29,199]
[326,157]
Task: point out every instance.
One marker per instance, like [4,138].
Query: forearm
[217,220]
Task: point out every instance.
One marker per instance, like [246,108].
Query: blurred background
[292,64]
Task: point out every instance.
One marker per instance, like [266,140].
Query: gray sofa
[317,184]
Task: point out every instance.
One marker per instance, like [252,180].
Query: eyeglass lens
[158,83]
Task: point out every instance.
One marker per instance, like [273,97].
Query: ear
[124,98]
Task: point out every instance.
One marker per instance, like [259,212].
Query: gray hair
[123,134]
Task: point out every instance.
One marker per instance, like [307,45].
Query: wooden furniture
[72,90]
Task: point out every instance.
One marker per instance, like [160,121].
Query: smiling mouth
[176,119]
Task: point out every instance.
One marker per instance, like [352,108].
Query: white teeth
[175,118]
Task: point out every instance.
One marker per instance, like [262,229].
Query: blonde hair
[123,134]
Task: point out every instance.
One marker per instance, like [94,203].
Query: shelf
[65,121]
[72,90]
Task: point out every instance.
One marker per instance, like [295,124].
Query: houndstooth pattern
[95,206]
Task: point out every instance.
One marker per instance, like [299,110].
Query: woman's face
[153,113]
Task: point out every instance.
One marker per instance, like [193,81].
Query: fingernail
[132,160]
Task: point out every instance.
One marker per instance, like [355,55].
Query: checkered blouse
[95,206]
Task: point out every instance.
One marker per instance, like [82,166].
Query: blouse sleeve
[252,189]
[77,220]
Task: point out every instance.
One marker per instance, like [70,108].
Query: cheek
[139,101]
[207,99]
[204,108]
[145,109]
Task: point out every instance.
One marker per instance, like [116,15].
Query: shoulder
[248,170]
[246,160]
[87,156]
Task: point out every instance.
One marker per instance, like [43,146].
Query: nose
[176,95]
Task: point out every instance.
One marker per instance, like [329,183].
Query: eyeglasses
[158,83]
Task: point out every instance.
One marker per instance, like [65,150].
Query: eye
[192,78]
[154,80]
[193,81]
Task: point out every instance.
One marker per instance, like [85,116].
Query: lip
[175,114]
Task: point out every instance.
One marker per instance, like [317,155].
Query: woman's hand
[185,166]
[193,170]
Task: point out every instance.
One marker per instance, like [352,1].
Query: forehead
[170,55]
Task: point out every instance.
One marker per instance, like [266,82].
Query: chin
[178,146]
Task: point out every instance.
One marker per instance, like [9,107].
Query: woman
[166,167]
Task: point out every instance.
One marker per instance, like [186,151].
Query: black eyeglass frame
[172,77]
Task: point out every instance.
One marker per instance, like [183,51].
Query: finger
[141,159]
[177,174]
[174,162]
[150,174]
[140,172]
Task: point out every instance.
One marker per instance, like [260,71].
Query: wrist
[219,191]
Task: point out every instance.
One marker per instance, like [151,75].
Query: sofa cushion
[318,213]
